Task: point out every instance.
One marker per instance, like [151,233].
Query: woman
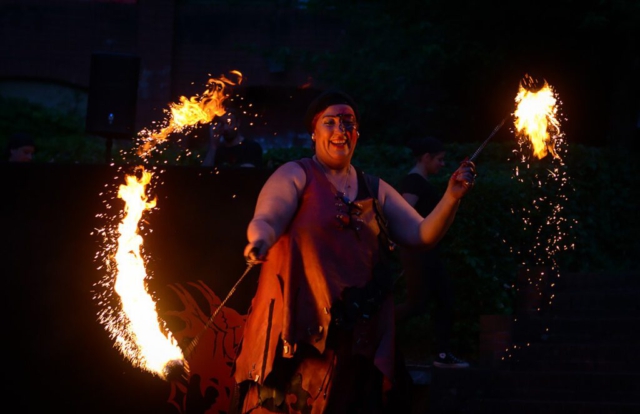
[319,336]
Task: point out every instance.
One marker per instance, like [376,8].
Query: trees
[454,67]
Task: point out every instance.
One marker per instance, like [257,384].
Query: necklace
[346,185]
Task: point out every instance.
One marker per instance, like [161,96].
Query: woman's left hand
[463,179]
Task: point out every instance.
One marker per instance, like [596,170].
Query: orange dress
[292,357]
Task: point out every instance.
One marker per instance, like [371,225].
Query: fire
[128,312]
[547,184]
[190,111]
[535,117]
[138,331]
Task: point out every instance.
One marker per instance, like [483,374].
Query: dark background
[447,66]
[59,355]
[442,66]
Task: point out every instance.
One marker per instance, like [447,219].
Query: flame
[544,219]
[191,111]
[143,341]
[535,117]
[128,311]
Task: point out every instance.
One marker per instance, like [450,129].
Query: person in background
[21,147]
[228,147]
[426,279]
[320,332]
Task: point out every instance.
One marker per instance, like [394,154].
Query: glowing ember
[536,117]
[138,332]
[190,112]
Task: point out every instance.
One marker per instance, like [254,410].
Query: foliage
[277,156]
[453,67]
[605,207]
[59,137]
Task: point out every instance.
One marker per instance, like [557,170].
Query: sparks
[546,181]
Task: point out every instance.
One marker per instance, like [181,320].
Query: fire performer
[319,336]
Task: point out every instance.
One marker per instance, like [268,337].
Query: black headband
[325,100]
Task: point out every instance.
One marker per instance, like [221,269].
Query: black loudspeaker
[113,94]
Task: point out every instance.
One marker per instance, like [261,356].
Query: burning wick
[536,116]
[176,370]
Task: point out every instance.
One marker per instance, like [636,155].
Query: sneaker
[447,360]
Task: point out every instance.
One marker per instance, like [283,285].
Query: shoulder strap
[373,185]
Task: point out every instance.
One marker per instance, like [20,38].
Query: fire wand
[484,144]
[196,339]
[180,369]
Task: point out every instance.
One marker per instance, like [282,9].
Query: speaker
[113,94]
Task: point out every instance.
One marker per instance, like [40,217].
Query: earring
[313,137]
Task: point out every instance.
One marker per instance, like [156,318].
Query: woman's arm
[276,205]
[406,225]
[412,199]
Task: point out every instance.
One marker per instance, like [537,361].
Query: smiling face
[335,134]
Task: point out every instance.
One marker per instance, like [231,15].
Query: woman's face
[336,135]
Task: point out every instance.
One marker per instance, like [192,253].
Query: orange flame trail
[535,117]
[133,323]
[190,112]
[138,332]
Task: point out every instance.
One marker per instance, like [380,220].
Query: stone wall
[180,46]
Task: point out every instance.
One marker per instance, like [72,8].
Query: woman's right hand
[463,179]
[255,253]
